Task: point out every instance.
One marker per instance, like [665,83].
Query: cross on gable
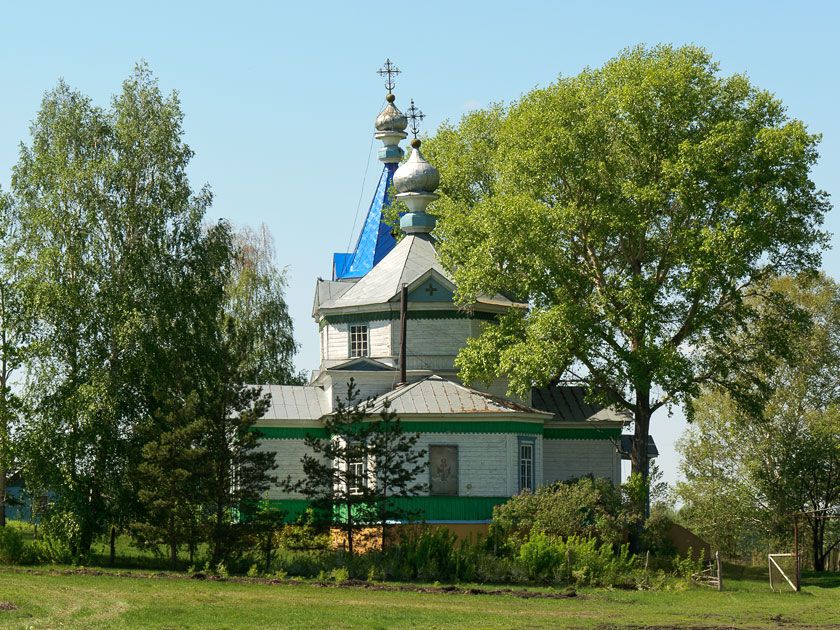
[389,71]
[431,289]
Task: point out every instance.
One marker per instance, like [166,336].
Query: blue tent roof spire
[376,239]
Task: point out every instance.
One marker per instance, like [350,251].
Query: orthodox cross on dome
[388,71]
[416,117]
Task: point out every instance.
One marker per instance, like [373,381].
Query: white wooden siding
[565,459]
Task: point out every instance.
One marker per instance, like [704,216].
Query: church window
[356,477]
[526,465]
[358,341]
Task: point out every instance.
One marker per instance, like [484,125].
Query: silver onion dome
[390,118]
[416,175]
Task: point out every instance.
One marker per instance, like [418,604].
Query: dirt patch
[449,589]
[357,584]
[7,606]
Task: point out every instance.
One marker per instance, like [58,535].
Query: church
[483,446]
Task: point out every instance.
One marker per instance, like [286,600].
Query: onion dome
[416,181]
[391,118]
[416,175]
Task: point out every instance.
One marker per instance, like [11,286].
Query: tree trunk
[817,543]
[350,530]
[173,544]
[640,462]
[113,545]
[2,497]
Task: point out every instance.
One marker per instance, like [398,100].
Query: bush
[12,546]
[578,561]
[586,507]
[304,534]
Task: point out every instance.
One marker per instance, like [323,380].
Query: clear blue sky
[280,98]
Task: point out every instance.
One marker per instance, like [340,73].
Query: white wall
[488,463]
[287,457]
[563,459]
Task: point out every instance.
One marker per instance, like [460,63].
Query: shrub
[586,507]
[303,534]
[579,561]
[340,575]
[12,546]
[541,557]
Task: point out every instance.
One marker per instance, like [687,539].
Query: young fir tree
[238,472]
[170,472]
[360,468]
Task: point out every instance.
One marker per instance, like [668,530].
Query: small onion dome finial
[391,119]
[391,123]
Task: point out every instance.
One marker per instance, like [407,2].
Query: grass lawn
[48,598]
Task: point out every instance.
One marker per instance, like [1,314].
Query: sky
[280,98]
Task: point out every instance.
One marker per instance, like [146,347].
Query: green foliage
[255,300]
[304,534]
[638,209]
[12,546]
[143,325]
[575,560]
[586,507]
[688,566]
[746,473]
[353,475]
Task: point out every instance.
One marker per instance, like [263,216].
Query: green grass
[45,598]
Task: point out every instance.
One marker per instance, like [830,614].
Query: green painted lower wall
[446,509]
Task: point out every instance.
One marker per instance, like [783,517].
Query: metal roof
[569,403]
[436,395]
[412,258]
[296,402]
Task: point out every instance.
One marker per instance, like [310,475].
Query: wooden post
[770,571]
[403,318]
[796,552]
[719,571]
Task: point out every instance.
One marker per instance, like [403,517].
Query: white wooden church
[483,447]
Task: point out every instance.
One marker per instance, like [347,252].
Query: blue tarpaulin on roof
[375,239]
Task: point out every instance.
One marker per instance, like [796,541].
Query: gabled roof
[296,402]
[436,395]
[411,260]
[363,364]
[569,404]
[412,257]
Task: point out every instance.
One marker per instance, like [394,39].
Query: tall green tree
[747,474]
[256,301]
[637,208]
[118,267]
[15,329]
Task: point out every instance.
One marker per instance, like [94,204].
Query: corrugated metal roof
[296,402]
[569,403]
[436,395]
[413,257]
